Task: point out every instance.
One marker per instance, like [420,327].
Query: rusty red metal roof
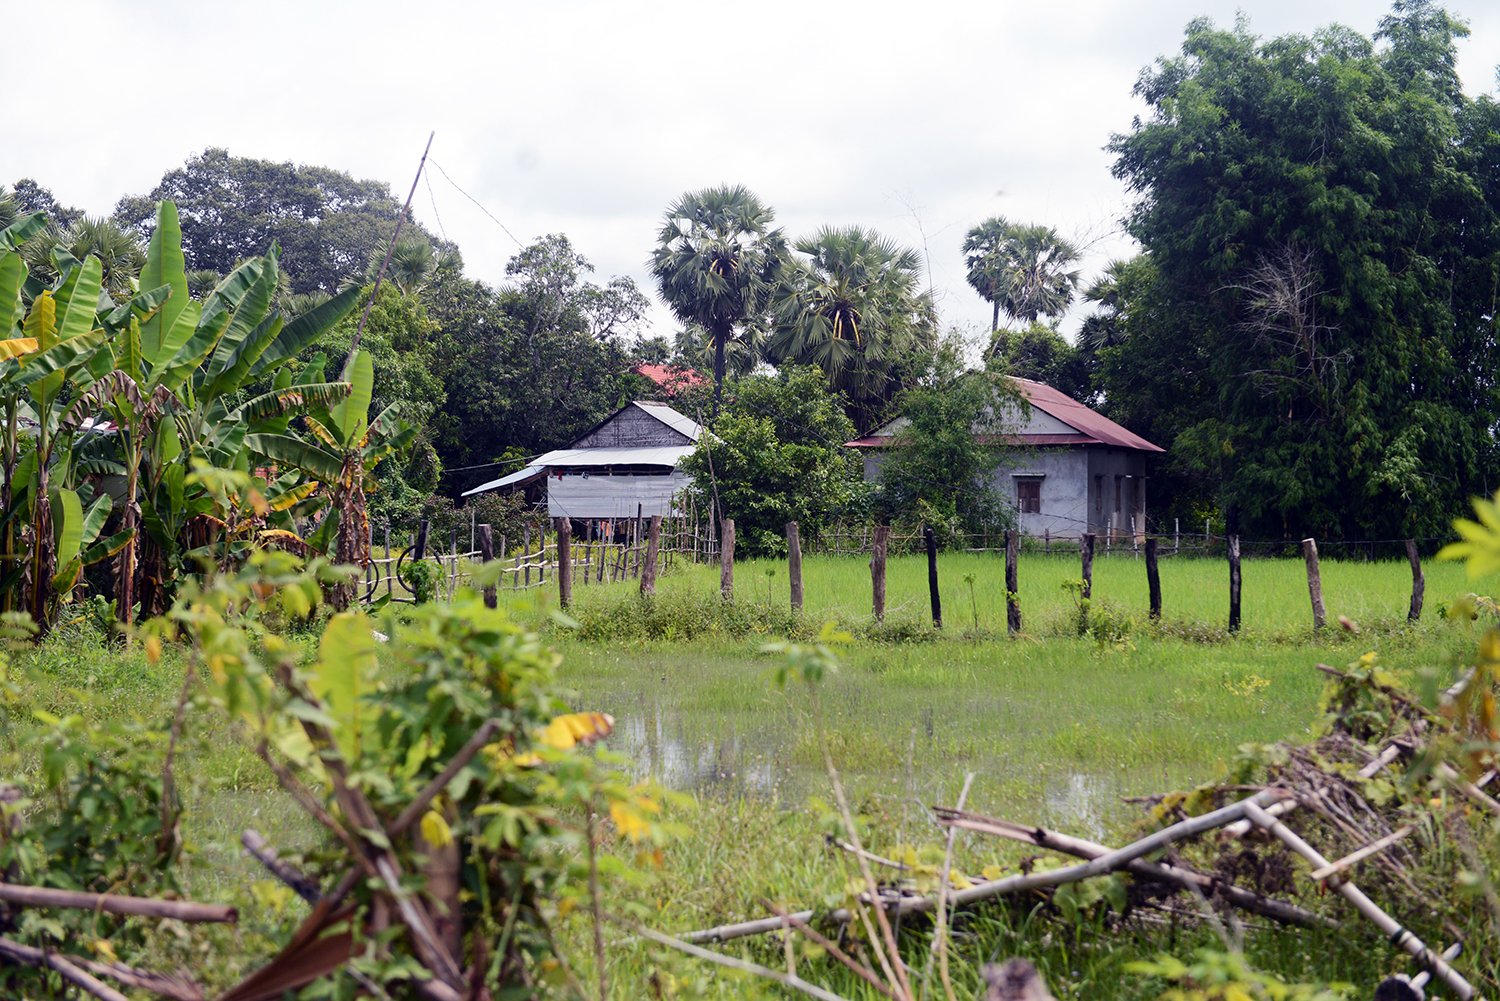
[1092,427]
[669,377]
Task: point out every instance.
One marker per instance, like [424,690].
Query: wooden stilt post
[1418,582]
[564,562]
[726,560]
[877,570]
[487,553]
[932,578]
[794,563]
[1012,585]
[653,551]
[419,551]
[1086,558]
[1153,578]
[1314,582]
[1234,583]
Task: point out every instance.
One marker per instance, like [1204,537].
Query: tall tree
[717,262]
[1024,271]
[851,303]
[1321,220]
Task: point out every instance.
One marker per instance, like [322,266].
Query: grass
[1056,728]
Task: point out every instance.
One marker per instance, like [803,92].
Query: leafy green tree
[233,208]
[940,467]
[777,455]
[851,304]
[717,264]
[29,197]
[1320,214]
[1040,353]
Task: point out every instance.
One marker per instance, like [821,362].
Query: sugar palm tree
[118,249]
[852,304]
[1027,272]
[716,263]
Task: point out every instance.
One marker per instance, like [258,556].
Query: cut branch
[109,903]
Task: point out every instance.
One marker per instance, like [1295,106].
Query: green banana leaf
[351,416]
[305,331]
[23,229]
[165,265]
[67,530]
[140,307]
[283,401]
[236,368]
[12,277]
[295,452]
[78,300]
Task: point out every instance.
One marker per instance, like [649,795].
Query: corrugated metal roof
[1093,427]
[671,418]
[519,476]
[1075,414]
[653,455]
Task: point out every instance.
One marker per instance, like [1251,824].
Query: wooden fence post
[1153,578]
[1314,582]
[1086,557]
[526,550]
[1233,542]
[726,560]
[1418,582]
[420,549]
[487,553]
[794,563]
[877,570]
[564,528]
[390,569]
[1012,587]
[932,579]
[653,550]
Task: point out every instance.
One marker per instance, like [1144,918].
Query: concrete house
[1074,470]
[624,466]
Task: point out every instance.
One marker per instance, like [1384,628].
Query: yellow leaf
[435,829]
[628,821]
[577,729]
[101,946]
[14,347]
[153,649]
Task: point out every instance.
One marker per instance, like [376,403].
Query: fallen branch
[301,883]
[110,903]
[1354,858]
[785,979]
[1399,936]
[940,936]
[1179,875]
[831,947]
[18,953]
[174,988]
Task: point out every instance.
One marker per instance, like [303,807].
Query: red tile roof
[669,377]
[1092,427]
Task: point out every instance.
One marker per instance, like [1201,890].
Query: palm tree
[1025,271]
[1106,328]
[853,307]
[716,262]
[117,248]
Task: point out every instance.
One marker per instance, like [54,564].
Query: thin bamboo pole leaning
[1399,936]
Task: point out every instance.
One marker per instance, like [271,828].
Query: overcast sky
[916,118]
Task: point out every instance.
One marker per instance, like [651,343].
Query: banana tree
[341,452]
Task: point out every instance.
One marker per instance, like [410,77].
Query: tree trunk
[721,336]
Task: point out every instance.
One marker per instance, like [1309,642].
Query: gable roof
[669,377]
[671,418]
[1089,426]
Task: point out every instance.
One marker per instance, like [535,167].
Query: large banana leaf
[249,312]
[283,401]
[57,359]
[185,328]
[351,416]
[185,362]
[289,451]
[23,229]
[304,331]
[139,306]
[164,266]
[241,356]
[12,277]
[67,521]
[78,300]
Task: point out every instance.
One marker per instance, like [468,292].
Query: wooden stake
[1153,579]
[1418,582]
[1314,582]
[1086,553]
[794,563]
[487,554]
[526,550]
[420,549]
[653,550]
[932,578]
[877,569]
[1012,587]
[1234,583]
[564,528]
[726,560]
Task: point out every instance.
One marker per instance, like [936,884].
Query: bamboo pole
[653,551]
[877,570]
[1399,936]
[726,560]
[1356,857]
[1153,579]
[1418,582]
[932,576]
[1314,583]
[1012,585]
[794,564]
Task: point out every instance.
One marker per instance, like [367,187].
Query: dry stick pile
[1311,779]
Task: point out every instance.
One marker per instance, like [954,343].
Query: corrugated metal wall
[595,496]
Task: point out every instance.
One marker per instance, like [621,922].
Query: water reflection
[731,763]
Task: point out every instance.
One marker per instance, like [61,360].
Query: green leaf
[62,356]
[346,665]
[165,265]
[238,369]
[78,300]
[67,519]
[306,330]
[289,451]
[352,415]
[140,306]
[174,343]
[94,519]
[249,315]
[12,277]
[108,548]
[282,401]
[23,229]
